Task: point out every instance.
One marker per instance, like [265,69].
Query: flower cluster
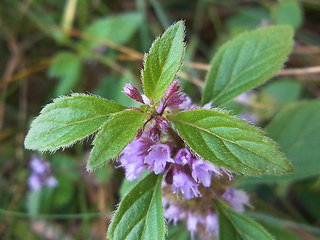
[208,223]
[160,149]
[41,174]
[199,214]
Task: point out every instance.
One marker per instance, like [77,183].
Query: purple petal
[192,223]
[184,184]
[202,171]
[212,224]
[236,198]
[172,214]
[35,182]
[158,157]
[183,156]
[39,166]
[133,166]
[51,182]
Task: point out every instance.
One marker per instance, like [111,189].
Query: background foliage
[48,49]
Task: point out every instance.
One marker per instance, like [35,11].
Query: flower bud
[176,99]
[173,88]
[132,92]
[183,156]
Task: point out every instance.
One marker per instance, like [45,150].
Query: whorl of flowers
[199,214]
[158,148]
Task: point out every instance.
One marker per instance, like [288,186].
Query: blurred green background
[52,48]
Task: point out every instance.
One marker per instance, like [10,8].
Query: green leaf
[163,61]
[178,232]
[297,130]
[230,142]
[67,67]
[277,227]
[140,213]
[127,185]
[118,29]
[247,19]
[288,12]
[67,120]
[284,91]
[234,225]
[114,135]
[246,62]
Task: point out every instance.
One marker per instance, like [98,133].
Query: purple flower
[132,92]
[133,168]
[172,214]
[177,99]
[133,155]
[202,171]
[160,150]
[41,175]
[158,157]
[185,104]
[39,166]
[184,184]
[212,224]
[236,198]
[51,182]
[192,223]
[183,156]
[34,182]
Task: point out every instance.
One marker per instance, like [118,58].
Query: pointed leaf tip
[68,120]
[230,142]
[246,62]
[163,61]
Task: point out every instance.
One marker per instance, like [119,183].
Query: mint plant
[192,152]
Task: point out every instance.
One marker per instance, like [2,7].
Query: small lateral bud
[173,88]
[132,92]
